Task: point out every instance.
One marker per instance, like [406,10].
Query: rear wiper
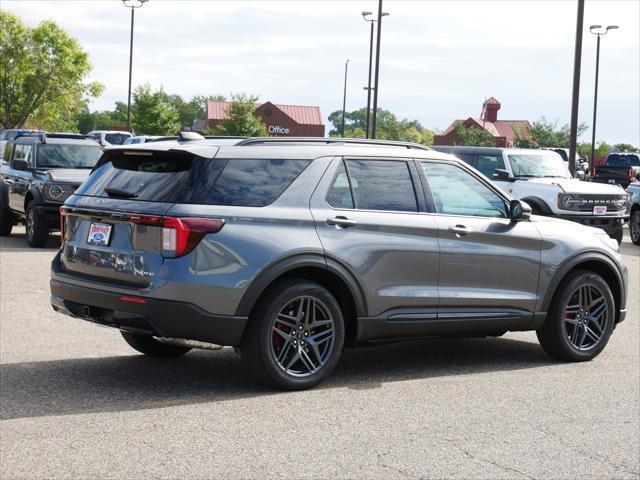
[116,192]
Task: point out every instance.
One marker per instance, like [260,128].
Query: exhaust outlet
[183,342]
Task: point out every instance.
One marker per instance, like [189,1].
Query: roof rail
[206,137]
[331,141]
[43,136]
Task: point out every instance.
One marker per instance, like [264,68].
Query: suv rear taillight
[631,174]
[63,216]
[180,235]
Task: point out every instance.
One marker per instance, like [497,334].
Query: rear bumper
[160,318]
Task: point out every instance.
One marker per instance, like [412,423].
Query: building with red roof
[281,120]
[503,131]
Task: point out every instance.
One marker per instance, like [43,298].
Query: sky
[439,59]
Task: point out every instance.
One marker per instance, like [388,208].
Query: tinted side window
[466,157]
[382,185]
[22,152]
[487,164]
[339,195]
[254,183]
[456,192]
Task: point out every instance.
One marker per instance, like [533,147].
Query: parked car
[541,179]
[140,139]
[40,172]
[293,249]
[634,209]
[109,137]
[8,135]
[618,168]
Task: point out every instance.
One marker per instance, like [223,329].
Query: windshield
[116,138]
[68,156]
[552,165]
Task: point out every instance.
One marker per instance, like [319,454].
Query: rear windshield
[116,138]
[615,160]
[53,155]
[175,177]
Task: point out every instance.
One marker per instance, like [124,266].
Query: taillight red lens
[63,214]
[631,174]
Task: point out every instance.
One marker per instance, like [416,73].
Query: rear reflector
[133,300]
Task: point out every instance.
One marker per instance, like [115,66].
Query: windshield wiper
[117,192]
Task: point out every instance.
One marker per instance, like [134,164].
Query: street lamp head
[384,14]
[366,14]
[612,27]
[594,27]
[134,3]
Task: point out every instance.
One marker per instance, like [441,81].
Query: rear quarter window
[176,177]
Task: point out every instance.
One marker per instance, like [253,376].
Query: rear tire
[295,335]
[581,318]
[634,227]
[6,222]
[152,347]
[36,226]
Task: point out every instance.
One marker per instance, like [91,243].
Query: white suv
[541,178]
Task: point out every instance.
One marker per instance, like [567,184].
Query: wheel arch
[595,262]
[538,203]
[328,272]
[32,194]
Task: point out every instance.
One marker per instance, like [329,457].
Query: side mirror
[579,174]
[519,210]
[19,164]
[502,175]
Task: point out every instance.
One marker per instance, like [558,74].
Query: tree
[42,74]
[388,127]
[153,113]
[472,136]
[625,147]
[545,133]
[241,119]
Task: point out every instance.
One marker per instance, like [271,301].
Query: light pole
[368,88]
[132,4]
[575,94]
[375,85]
[598,31]
[344,95]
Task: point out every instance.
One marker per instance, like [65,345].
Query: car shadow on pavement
[135,382]
[17,242]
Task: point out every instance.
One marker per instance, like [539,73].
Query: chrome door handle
[341,222]
[460,230]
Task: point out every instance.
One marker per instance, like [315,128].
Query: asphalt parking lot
[77,402]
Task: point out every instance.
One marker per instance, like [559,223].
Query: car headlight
[55,191]
[566,201]
[607,240]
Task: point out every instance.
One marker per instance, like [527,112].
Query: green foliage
[388,127]
[472,136]
[153,113]
[241,119]
[625,147]
[194,109]
[42,73]
[545,133]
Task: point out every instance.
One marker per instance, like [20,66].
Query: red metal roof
[499,128]
[301,114]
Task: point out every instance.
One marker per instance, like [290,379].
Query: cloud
[440,59]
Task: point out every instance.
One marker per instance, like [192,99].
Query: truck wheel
[617,234]
[152,347]
[634,227]
[37,228]
[581,318]
[6,222]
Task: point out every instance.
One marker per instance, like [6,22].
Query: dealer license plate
[599,210]
[99,234]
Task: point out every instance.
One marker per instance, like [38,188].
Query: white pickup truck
[541,178]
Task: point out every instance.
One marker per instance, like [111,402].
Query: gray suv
[294,249]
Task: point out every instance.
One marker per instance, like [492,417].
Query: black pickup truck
[37,174]
[618,168]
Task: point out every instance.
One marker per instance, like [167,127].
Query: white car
[541,178]
[109,137]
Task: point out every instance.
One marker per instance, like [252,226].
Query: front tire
[581,318]
[36,226]
[634,227]
[152,347]
[6,222]
[295,335]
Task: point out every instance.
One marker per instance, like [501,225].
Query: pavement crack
[487,460]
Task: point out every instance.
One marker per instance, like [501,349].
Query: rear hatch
[115,227]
